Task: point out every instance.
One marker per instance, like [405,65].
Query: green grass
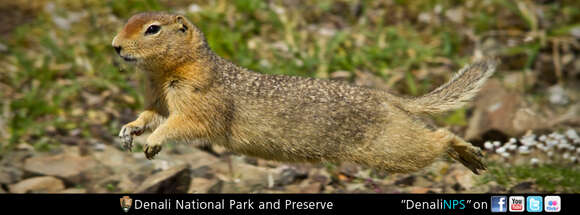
[548,177]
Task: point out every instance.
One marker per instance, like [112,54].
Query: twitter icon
[534,204]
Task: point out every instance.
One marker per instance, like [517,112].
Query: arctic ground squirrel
[194,95]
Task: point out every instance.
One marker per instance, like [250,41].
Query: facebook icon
[498,203]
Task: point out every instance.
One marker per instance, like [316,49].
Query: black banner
[291,203]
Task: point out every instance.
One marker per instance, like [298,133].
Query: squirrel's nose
[118,49]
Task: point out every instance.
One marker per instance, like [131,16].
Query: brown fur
[193,94]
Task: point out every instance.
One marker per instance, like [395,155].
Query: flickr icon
[552,204]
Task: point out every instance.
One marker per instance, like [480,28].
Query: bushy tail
[459,90]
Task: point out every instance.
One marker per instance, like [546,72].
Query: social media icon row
[531,204]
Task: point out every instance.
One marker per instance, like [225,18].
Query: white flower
[512,147]
[487,145]
[528,140]
[496,143]
[500,150]
[505,154]
[194,8]
[572,134]
[524,150]
[556,136]
[534,161]
[562,145]
[513,140]
[543,138]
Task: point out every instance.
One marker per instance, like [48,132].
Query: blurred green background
[62,86]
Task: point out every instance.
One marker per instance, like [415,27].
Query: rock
[247,178]
[10,175]
[340,75]
[197,158]
[43,184]
[499,110]
[173,180]
[130,181]
[490,187]
[24,147]
[422,181]
[72,168]
[115,183]
[455,15]
[217,187]
[463,179]
[16,158]
[405,181]
[320,175]
[356,187]
[349,169]
[519,82]
[305,187]
[290,175]
[416,190]
[203,172]
[388,188]
[524,187]
[201,185]
[112,157]
[314,187]
[575,32]
[368,79]
[557,95]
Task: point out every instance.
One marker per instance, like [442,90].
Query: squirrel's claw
[126,135]
[151,150]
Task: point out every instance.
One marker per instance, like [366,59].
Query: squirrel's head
[157,38]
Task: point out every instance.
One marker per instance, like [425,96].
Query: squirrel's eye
[153,29]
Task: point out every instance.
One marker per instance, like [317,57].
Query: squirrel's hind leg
[469,155]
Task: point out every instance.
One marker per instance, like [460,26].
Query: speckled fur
[193,95]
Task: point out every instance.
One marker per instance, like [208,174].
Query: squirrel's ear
[183,23]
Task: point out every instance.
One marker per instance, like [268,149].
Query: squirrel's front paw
[127,133]
[151,150]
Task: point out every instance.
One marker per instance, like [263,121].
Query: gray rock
[201,185]
[497,109]
[406,181]
[10,175]
[72,168]
[197,158]
[120,161]
[290,175]
[320,175]
[43,184]
[524,187]
[305,187]
[173,180]
[247,178]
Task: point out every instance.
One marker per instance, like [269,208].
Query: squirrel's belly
[280,150]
